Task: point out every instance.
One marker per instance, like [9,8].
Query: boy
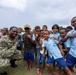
[71,57]
[27,47]
[55,54]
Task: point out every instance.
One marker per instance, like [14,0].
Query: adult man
[8,50]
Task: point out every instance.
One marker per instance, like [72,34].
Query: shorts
[29,56]
[70,60]
[60,61]
[42,59]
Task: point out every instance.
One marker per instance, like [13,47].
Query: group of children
[53,48]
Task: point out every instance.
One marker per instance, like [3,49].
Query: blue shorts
[29,56]
[60,61]
[71,61]
[42,59]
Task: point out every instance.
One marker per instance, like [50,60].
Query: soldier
[8,50]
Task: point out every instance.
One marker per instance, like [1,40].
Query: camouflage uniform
[8,51]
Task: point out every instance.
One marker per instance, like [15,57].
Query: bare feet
[30,69]
[40,73]
[56,73]
[27,67]
[37,70]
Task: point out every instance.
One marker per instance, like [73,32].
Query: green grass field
[21,70]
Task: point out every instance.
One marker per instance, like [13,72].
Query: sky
[36,12]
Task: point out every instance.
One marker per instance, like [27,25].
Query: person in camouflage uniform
[8,50]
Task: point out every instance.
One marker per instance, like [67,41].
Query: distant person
[20,33]
[0,33]
[4,32]
[44,27]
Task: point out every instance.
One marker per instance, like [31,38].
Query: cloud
[19,5]
[37,12]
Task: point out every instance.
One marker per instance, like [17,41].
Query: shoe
[13,65]
[4,73]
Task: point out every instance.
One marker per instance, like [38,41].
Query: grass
[21,70]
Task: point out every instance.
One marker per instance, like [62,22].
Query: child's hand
[29,36]
[54,38]
[36,35]
[16,44]
[71,35]
[40,40]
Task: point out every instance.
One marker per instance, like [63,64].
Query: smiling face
[55,30]
[73,22]
[13,32]
[46,34]
[63,33]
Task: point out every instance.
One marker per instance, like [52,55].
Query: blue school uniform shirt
[67,43]
[73,43]
[51,46]
[55,35]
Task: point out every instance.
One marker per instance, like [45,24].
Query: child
[44,27]
[42,57]
[69,28]
[55,33]
[71,57]
[28,47]
[37,35]
[55,54]
[65,45]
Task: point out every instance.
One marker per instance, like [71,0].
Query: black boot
[13,63]
[4,73]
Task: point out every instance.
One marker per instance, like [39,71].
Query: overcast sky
[36,12]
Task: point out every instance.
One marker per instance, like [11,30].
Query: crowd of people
[51,49]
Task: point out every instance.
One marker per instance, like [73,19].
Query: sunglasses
[27,28]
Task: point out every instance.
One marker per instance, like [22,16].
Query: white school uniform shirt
[73,43]
[51,46]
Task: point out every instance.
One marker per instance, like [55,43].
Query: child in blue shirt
[55,53]
[65,45]
[55,33]
[71,57]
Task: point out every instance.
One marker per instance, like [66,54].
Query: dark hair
[46,30]
[73,18]
[12,27]
[45,26]
[37,27]
[6,29]
[55,25]
[64,29]
[69,27]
